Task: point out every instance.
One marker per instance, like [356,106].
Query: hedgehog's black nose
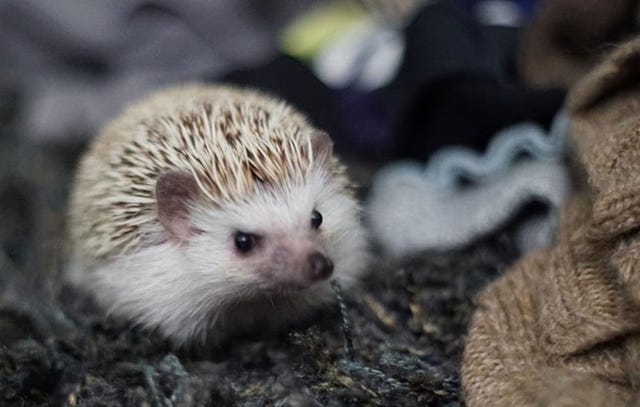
[320,267]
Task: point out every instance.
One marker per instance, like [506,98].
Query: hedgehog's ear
[322,147]
[175,191]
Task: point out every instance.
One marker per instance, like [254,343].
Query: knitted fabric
[450,165]
[414,208]
[561,327]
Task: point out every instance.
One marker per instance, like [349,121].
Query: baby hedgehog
[210,211]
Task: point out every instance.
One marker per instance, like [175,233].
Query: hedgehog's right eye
[245,241]
[316,219]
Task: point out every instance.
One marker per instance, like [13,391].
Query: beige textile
[562,326]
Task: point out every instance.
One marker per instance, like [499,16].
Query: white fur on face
[204,289]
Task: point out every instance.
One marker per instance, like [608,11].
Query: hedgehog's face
[283,261]
[285,239]
[289,238]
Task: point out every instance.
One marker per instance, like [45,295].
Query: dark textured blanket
[398,340]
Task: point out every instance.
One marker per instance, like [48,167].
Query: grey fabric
[409,214]
[75,63]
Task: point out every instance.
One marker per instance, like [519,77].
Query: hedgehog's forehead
[274,207]
[233,147]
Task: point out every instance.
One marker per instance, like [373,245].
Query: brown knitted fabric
[566,37]
[562,326]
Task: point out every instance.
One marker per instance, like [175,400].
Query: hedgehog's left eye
[245,241]
[316,219]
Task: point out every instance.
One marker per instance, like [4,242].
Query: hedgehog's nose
[320,267]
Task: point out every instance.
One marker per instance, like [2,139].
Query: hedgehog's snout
[320,267]
[296,264]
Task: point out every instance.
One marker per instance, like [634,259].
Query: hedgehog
[206,212]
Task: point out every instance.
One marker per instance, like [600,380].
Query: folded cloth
[561,327]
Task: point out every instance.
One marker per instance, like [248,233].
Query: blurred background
[449,114]
[463,88]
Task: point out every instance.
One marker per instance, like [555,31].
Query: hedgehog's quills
[207,212]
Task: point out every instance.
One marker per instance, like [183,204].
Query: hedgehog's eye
[245,241]
[316,219]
